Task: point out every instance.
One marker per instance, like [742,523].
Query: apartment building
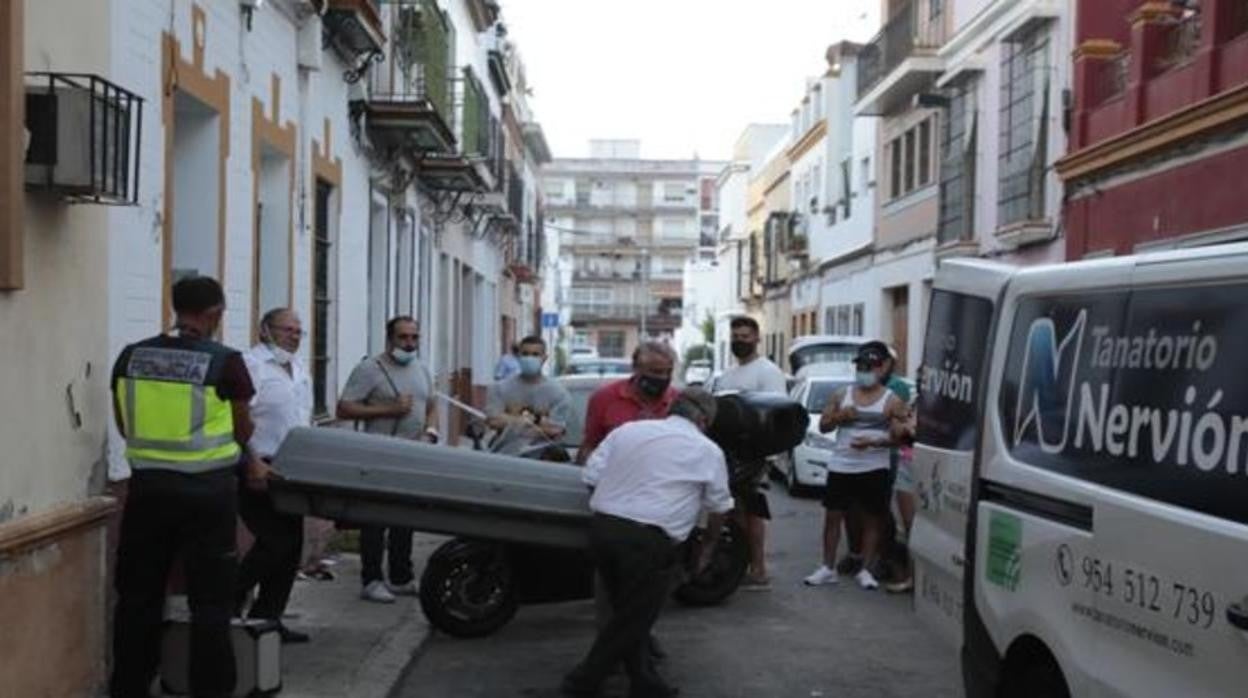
[1157,135]
[894,70]
[626,227]
[732,278]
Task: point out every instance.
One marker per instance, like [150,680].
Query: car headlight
[816,440]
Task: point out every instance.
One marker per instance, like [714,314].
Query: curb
[383,669]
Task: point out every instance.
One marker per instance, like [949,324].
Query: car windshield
[820,391]
[830,353]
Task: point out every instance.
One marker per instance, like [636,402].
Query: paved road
[792,641]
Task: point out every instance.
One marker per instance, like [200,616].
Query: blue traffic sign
[550,321]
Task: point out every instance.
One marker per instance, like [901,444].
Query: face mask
[402,357]
[866,379]
[652,387]
[742,349]
[283,357]
[530,365]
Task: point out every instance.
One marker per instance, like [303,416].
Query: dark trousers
[375,542]
[169,515]
[273,560]
[636,563]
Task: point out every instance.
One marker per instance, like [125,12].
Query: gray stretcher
[369,479]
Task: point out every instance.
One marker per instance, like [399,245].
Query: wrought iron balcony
[477,165]
[354,28]
[903,55]
[409,101]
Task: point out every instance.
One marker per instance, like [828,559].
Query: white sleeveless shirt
[870,423]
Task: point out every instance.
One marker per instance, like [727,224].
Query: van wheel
[1035,674]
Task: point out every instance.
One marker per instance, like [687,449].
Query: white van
[1082,474]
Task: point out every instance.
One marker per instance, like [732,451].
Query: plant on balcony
[476,115]
[425,43]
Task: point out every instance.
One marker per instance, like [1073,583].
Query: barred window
[957,167]
[1024,128]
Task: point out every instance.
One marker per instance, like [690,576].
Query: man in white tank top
[858,471]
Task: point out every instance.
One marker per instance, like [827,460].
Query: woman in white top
[858,471]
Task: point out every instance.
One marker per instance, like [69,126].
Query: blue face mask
[866,379]
[402,357]
[530,365]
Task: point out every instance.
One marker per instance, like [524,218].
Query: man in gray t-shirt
[391,394]
[528,410]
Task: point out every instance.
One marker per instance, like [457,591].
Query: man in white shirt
[283,401]
[758,374]
[650,481]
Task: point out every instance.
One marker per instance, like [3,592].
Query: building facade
[627,225]
[351,159]
[1001,129]
[1157,135]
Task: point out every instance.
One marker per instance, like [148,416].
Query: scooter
[472,587]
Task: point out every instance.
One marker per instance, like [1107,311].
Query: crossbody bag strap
[395,429]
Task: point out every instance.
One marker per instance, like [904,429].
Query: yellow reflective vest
[166,392]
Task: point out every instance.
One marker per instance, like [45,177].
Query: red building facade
[1158,150]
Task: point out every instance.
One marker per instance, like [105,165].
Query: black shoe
[292,637]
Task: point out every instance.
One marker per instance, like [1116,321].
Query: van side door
[1168,443]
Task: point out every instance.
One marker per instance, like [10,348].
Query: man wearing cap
[650,480]
[858,470]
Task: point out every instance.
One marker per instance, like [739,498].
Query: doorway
[899,303]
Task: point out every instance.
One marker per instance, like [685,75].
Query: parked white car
[807,464]
[698,372]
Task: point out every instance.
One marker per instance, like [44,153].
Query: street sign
[550,321]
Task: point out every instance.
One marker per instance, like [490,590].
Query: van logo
[1047,383]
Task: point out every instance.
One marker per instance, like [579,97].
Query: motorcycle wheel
[466,589]
[727,568]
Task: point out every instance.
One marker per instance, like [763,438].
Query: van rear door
[950,385]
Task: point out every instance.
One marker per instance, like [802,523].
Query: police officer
[181,402]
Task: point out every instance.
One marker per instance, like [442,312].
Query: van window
[953,360]
[1140,391]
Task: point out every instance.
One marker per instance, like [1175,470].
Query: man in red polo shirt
[647,394]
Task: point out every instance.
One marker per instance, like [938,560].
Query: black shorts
[754,503]
[867,491]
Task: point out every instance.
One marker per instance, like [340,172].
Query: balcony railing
[912,29]
[410,93]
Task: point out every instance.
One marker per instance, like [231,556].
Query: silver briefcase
[257,658]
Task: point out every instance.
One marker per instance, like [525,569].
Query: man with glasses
[282,402]
[391,394]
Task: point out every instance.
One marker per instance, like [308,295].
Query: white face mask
[402,357]
[283,357]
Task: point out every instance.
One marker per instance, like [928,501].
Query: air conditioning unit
[84,134]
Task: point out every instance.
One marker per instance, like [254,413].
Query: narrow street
[791,641]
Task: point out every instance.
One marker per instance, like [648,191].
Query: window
[554,190]
[322,297]
[935,8]
[925,153]
[611,344]
[894,148]
[816,186]
[908,154]
[857,319]
[1024,129]
[847,195]
[674,192]
[957,167]
[910,157]
[842,319]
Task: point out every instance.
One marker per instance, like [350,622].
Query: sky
[683,76]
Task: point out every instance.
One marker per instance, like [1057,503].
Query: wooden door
[901,325]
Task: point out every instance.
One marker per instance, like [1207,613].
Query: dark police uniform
[173,395]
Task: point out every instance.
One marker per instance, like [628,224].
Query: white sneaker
[377,592]
[866,580]
[409,589]
[823,575]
